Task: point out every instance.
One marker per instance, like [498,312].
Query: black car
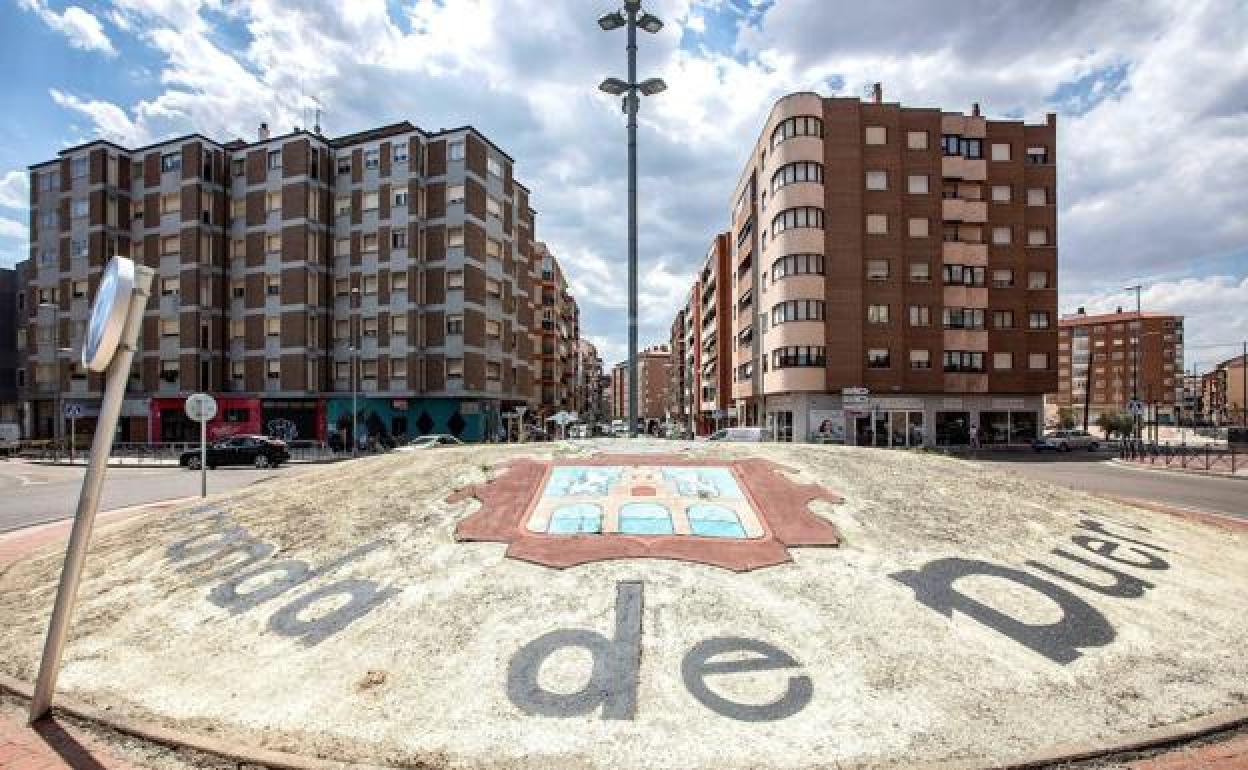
[260,451]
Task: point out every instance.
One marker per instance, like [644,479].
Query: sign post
[201,408]
[73,412]
[112,334]
[520,412]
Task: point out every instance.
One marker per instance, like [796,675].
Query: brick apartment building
[678,376]
[906,252]
[560,329]
[1223,392]
[1120,354]
[654,374]
[590,400]
[702,345]
[8,344]
[283,262]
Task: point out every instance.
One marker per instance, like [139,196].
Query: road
[35,494]
[1097,474]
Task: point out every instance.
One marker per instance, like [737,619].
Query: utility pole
[1135,374]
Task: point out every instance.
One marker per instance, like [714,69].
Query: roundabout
[633,604]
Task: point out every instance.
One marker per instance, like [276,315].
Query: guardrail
[1204,458]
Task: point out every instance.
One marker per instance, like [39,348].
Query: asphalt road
[35,494]
[1097,474]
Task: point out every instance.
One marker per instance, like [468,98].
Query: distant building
[1222,391]
[1122,354]
[653,375]
[9,345]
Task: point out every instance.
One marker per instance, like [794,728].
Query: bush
[1120,424]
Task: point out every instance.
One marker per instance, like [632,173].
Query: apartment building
[1105,360]
[677,402]
[1223,392]
[8,345]
[717,309]
[590,401]
[653,375]
[559,331]
[293,271]
[894,274]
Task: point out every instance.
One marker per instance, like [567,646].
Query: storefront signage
[1008,403]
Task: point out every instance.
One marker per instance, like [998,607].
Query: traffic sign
[1135,407]
[108,314]
[73,411]
[201,407]
[855,392]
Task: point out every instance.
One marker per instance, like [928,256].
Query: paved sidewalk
[53,744]
[1228,755]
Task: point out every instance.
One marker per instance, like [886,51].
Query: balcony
[958,167]
[960,253]
[960,210]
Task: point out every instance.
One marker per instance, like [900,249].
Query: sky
[1152,103]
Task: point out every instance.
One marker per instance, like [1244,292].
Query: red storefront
[169,423]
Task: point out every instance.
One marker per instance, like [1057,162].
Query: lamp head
[613,86]
[610,21]
[650,23]
[653,86]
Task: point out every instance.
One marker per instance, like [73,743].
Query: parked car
[260,451]
[739,434]
[430,441]
[1066,440]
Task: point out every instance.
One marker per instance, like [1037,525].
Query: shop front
[235,415]
[293,419]
[391,421]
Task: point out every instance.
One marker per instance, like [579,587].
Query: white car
[431,441]
[1066,440]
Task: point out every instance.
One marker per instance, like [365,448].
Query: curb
[1144,740]
[1225,521]
[13,549]
[1183,471]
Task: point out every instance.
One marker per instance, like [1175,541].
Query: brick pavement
[53,744]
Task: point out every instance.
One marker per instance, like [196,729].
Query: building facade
[292,272]
[1106,360]
[9,350]
[717,308]
[653,375]
[1222,391]
[590,401]
[894,275]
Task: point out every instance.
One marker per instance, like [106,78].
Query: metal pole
[1243,396]
[73,434]
[89,499]
[632,220]
[355,428]
[1135,374]
[203,458]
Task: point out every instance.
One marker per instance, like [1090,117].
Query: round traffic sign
[108,314]
[73,410]
[201,407]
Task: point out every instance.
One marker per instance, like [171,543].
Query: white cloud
[15,190]
[11,228]
[78,25]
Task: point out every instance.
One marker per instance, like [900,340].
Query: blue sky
[1152,100]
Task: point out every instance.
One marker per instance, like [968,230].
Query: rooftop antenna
[316,127]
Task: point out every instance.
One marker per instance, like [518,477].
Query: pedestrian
[974,436]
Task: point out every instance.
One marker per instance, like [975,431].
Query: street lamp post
[632,17]
[355,378]
[1135,373]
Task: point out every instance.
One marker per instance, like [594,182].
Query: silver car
[1066,440]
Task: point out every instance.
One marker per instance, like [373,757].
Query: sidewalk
[52,745]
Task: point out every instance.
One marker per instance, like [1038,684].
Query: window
[1037,156]
[369,242]
[797,264]
[455,237]
[877,180]
[169,327]
[171,203]
[1002,278]
[877,224]
[970,148]
[920,272]
[49,217]
[454,279]
[1003,319]
[371,201]
[78,208]
[877,135]
[1001,235]
[493,288]
[370,284]
[273,327]
[802,125]
[273,202]
[273,285]
[454,368]
[170,245]
[917,184]
[493,249]
[1038,320]
[799,355]
[964,275]
[398,324]
[920,315]
[398,367]
[493,167]
[1038,361]
[169,287]
[398,239]
[1037,236]
[963,318]
[342,287]
[1002,360]
[273,243]
[342,205]
[372,158]
[1037,196]
[342,247]
[493,207]
[877,269]
[342,329]
[802,216]
[454,194]
[493,330]
[1000,193]
[920,359]
[454,325]
[237,329]
[273,369]
[275,159]
[791,173]
[1038,279]
[877,314]
[169,371]
[400,152]
[400,198]
[797,310]
[877,358]
[314,164]
[1000,151]
[370,327]
[964,361]
[916,140]
[171,161]
[918,227]
[344,164]
[238,289]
